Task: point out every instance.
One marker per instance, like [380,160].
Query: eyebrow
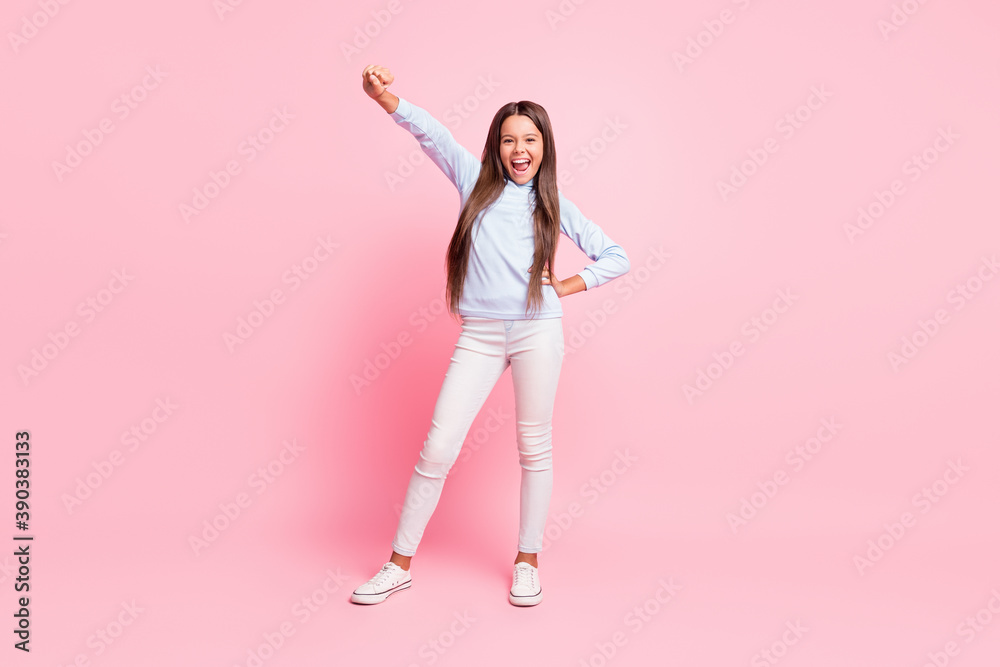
[529,134]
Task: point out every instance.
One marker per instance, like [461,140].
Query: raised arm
[458,164]
[610,260]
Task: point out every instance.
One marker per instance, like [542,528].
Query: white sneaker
[390,578]
[527,589]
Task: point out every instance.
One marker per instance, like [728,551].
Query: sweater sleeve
[458,164]
[610,260]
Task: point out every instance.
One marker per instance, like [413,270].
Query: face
[520,140]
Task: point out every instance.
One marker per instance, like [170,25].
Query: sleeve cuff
[589,279]
[402,111]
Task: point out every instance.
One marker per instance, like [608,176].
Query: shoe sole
[525,600]
[375,598]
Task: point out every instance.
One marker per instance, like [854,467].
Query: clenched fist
[376,78]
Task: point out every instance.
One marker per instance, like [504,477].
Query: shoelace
[381,576]
[524,575]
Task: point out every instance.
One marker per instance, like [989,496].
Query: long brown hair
[491,182]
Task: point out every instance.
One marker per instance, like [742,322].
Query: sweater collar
[527,187]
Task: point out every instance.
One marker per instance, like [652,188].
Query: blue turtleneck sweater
[503,237]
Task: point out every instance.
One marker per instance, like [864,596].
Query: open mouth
[521,165]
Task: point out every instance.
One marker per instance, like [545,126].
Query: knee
[536,461]
[535,449]
[437,457]
[532,436]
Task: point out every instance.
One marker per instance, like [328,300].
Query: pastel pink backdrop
[661,137]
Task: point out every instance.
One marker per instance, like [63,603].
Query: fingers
[375,78]
[545,274]
[377,75]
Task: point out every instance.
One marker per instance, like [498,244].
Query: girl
[499,266]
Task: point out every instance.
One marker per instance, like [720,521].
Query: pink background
[659,138]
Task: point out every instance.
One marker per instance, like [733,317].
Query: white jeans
[534,350]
